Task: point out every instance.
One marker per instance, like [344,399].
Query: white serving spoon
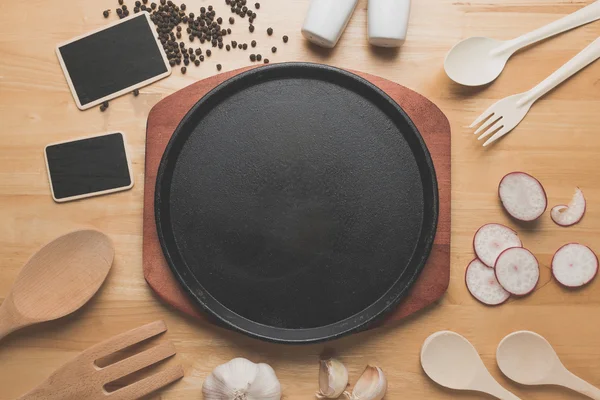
[479,60]
[451,361]
[527,358]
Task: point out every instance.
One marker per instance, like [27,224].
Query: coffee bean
[219,67]
[126,13]
[202,10]
[245,46]
[198,51]
[178,35]
[102,108]
[119,12]
[266,61]
[228,47]
[201,58]
[153,6]
[273,49]
[183,7]
[210,8]
[208,53]
[229,31]
[258,57]
[234,43]
[269,31]
[106,13]
[136,92]
[186,61]
[253,43]
[285,39]
[120,2]
[183,70]
[231,20]
[219,20]
[124,7]
[192,57]
[197,63]
[251,28]
[240,46]
[105,104]
[257,6]
[252,57]
[178,61]
[138,3]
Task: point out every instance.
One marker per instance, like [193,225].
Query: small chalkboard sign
[113,60]
[88,167]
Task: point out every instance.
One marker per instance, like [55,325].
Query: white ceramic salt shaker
[326,20]
[388,22]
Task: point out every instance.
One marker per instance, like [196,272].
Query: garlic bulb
[333,379]
[241,379]
[371,385]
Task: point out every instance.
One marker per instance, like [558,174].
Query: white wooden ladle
[451,361]
[527,358]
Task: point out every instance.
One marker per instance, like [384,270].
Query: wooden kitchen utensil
[527,358]
[57,280]
[451,361]
[81,378]
[433,126]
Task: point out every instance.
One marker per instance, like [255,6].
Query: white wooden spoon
[527,358]
[451,361]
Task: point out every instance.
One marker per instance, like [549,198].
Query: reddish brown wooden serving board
[431,122]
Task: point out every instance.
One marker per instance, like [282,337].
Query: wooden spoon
[527,358]
[57,280]
[451,361]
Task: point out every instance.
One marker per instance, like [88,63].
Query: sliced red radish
[517,270]
[491,240]
[483,285]
[574,265]
[523,196]
[564,215]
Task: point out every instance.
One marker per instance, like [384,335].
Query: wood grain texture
[429,120]
[558,143]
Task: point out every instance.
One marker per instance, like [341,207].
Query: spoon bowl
[527,358]
[473,61]
[57,280]
[451,361]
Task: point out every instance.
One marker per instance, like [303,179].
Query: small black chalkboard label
[113,61]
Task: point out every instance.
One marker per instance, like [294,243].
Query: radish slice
[522,196]
[491,240]
[517,270]
[574,265]
[569,215]
[483,285]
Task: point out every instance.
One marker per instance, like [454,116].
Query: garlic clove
[333,379]
[371,385]
[266,386]
[241,379]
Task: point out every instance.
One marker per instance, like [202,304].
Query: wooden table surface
[559,142]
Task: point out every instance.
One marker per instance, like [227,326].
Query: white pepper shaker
[326,20]
[388,22]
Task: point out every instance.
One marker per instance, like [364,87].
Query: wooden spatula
[57,280]
[82,379]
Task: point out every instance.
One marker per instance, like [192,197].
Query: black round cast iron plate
[296,203]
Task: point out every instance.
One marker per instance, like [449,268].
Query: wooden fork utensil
[81,378]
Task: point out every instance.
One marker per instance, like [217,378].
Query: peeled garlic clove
[371,385]
[241,379]
[333,379]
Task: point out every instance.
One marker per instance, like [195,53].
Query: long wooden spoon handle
[494,388]
[579,385]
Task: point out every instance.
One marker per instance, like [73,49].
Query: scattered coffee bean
[273,49]
[251,28]
[163,2]
[119,12]
[210,8]
[145,1]
[138,3]
[120,2]
[266,61]
[172,62]
[208,53]
[106,13]
[258,57]
[231,20]
[253,43]
[227,47]
[201,58]
[126,13]
[219,20]
[220,45]
[153,6]
[105,104]
[252,57]
[240,46]
[181,44]
[285,39]
[198,51]
[245,46]
[269,31]
[102,108]
[253,15]
[183,7]
[234,43]
[124,7]
[178,61]
[186,61]
[136,92]
[251,20]
[202,10]
[219,66]
[257,6]
[178,35]
[197,63]
[183,70]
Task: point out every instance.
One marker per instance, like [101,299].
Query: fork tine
[125,340]
[498,124]
[148,385]
[487,113]
[491,120]
[497,135]
[138,362]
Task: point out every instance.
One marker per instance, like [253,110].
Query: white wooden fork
[506,114]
